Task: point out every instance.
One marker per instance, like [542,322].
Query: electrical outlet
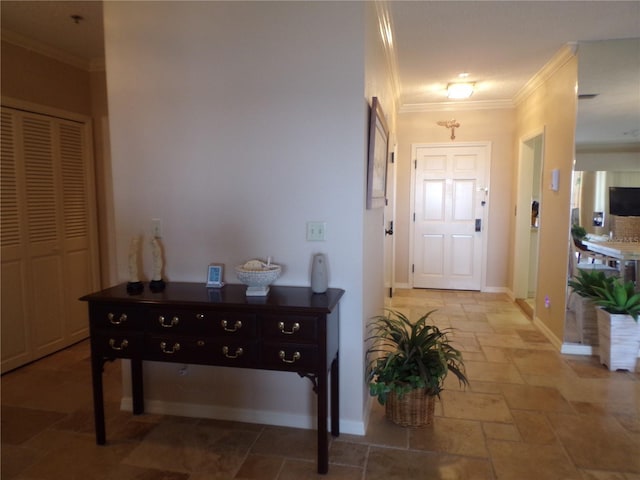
[316,231]
[156,228]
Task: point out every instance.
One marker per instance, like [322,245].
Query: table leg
[97,364]
[323,437]
[137,392]
[335,396]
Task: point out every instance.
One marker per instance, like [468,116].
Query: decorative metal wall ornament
[452,124]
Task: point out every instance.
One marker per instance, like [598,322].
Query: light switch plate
[316,231]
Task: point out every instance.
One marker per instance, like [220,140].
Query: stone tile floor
[530,413]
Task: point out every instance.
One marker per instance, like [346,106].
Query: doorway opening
[528,220]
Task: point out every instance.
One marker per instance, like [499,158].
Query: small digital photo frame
[214,275]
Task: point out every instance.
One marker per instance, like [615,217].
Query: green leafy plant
[578,232]
[618,297]
[406,356]
[587,280]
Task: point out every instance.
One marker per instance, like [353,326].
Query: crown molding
[566,53]
[35,46]
[456,106]
[386,29]
[608,147]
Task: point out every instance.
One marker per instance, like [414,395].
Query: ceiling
[500,44]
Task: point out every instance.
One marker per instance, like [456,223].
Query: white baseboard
[578,349]
[408,286]
[488,289]
[307,422]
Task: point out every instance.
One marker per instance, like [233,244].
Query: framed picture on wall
[377,159]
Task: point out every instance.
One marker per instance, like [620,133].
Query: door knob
[390,231]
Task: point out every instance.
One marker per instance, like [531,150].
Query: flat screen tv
[624,201]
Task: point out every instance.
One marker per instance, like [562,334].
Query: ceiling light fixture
[460,90]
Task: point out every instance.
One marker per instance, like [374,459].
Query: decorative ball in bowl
[258,275]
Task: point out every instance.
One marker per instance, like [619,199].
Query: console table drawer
[293,357]
[290,328]
[233,324]
[172,321]
[200,350]
[117,345]
[233,352]
[116,317]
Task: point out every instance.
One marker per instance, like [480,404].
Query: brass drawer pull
[294,329]
[239,352]
[200,316]
[123,344]
[236,326]
[174,349]
[173,323]
[112,318]
[294,359]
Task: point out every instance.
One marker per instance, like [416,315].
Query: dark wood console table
[292,330]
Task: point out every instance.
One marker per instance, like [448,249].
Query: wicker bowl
[258,278]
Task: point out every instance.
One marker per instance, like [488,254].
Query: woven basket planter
[414,409]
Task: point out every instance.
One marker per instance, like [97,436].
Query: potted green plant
[582,304]
[407,365]
[587,280]
[578,232]
[618,326]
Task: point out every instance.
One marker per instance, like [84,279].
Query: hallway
[530,413]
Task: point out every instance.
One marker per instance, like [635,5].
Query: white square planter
[619,338]
[585,314]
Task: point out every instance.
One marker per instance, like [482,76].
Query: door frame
[485,243]
[390,216]
[522,213]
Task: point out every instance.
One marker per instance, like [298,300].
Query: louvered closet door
[79,257]
[55,241]
[13,289]
[44,236]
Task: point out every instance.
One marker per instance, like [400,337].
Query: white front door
[450,205]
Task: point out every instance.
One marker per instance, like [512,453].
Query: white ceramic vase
[319,275]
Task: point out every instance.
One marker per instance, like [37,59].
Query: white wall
[607,160]
[552,107]
[377,84]
[235,123]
